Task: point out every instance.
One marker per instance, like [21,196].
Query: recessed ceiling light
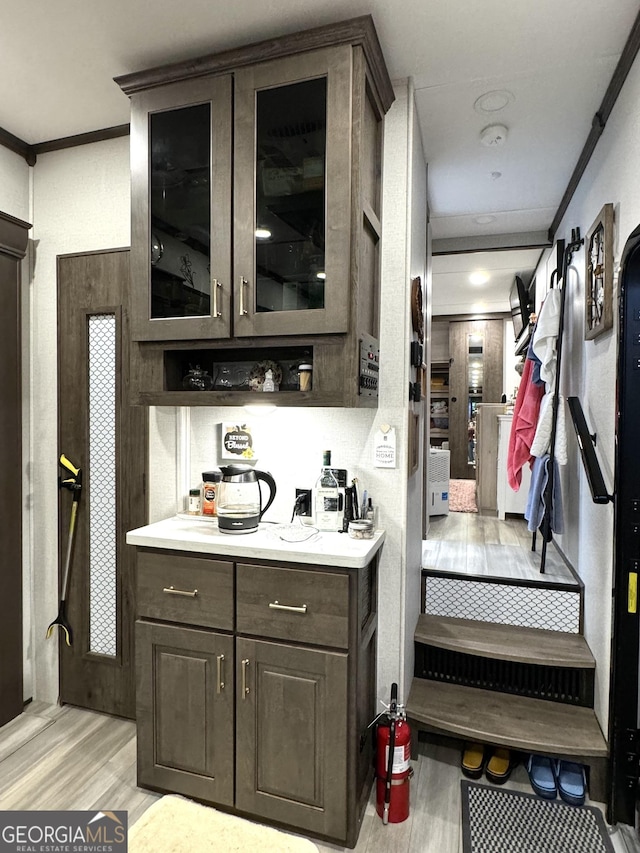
[321,275]
[494,135]
[478,277]
[493,102]
[262,233]
[484,219]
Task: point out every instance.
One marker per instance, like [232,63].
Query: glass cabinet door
[292,191]
[181,194]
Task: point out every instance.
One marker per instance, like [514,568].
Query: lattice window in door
[102,480]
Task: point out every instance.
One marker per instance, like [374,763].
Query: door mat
[462,496]
[499,821]
[177,825]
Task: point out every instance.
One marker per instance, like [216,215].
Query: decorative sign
[599,275]
[237,442]
[384,447]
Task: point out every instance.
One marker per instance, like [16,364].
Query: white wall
[14,185]
[80,203]
[417,264]
[589,371]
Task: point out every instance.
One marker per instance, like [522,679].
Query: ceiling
[554,61]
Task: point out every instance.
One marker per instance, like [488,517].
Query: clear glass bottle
[327,497]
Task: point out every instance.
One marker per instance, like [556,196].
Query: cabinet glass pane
[180,143]
[290,196]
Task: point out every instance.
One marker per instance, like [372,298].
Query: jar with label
[210,480]
[195,502]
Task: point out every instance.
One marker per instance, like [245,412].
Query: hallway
[476,544]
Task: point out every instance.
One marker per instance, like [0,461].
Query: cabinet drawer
[293,604]
[167,583]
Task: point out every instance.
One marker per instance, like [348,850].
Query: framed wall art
[598,280]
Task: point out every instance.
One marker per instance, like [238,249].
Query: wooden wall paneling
[13,243]
[493,384]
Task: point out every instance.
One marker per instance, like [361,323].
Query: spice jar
[304,376]
[195,502]
[361,528]
[210,480]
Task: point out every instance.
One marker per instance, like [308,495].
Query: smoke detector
[494,135]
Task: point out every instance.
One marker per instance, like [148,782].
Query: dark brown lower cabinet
[266,712]
[185,723]
[291,757]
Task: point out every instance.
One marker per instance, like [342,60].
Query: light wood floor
[67,758]
[475,544]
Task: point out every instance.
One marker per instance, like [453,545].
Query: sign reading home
[63,832]
[237,442]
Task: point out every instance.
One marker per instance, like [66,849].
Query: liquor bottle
[327,497]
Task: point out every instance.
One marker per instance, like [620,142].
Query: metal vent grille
[557,684]
[102,483]
[504,603]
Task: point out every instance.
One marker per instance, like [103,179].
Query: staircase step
[505,642]
[516,722]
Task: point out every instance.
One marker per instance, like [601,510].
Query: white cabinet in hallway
[508,500]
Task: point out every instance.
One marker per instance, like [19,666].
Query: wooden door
[185,705]
[105,437]
[462,399]
[291,735]
[13,244]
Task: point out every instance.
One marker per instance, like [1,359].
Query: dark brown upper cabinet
[256,190]
[181,211]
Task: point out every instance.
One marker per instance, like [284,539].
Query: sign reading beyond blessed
[237,442]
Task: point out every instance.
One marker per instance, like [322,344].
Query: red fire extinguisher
[393,768]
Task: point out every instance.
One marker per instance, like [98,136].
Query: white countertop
[203,537]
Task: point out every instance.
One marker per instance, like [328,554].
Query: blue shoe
[572,783]
[542,776]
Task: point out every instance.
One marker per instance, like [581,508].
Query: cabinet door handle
[245,687]
[220,667]
[170,590]
[292,608]
[243,283]
[215,284]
